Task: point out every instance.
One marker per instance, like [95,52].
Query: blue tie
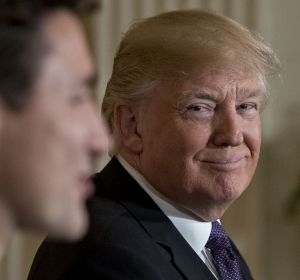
[221,250]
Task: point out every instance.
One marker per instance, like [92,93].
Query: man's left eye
[247,109]
[77,99]
[80,97]
[247,106]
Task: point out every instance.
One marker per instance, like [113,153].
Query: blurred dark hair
[22,46]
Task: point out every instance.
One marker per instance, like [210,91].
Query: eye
[245,106]
[77,99]
[80,97]
[201,107]
[248,108]
[196,108]
[199,111]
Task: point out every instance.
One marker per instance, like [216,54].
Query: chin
[70,229]
[211,215]
[211,212]
[69,233]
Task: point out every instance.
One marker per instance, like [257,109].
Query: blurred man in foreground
[49,129]
[184,104]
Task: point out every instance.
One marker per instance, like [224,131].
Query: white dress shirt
[196,233]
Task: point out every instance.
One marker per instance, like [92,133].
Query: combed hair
[22,46]
[171,45]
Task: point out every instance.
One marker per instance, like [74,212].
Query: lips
[86,186]
[225,164]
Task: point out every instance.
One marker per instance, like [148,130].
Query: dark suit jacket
[129,238]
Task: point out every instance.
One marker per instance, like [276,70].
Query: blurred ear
[127,121]
[3,110]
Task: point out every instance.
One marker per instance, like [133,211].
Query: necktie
[221,250]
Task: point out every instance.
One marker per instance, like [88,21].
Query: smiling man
[207,139]
[184,104]
[50,131]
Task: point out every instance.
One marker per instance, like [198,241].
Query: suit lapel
[244,268]
[183,256]
[122,187]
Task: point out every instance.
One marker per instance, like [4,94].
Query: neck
[7,227]
[133,160]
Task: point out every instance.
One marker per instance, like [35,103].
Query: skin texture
[48,147]
[198,141]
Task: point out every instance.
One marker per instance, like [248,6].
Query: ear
[127,121]
[3,111]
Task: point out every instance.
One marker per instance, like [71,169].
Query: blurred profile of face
[47,148]
[201,139]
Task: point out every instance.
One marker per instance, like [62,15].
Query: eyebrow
[212,95]
[204,93]
[246,93]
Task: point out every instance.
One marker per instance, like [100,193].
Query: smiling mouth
[86,186]
[225,165]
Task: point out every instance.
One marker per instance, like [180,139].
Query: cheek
[62,140]
[191,139]
[173,144]
[253,139]
[251,130]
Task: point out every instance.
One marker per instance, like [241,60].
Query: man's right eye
[199,111]
[200,107]
[196,108]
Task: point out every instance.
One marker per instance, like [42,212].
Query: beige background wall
[269,241]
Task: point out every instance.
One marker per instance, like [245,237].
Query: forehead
[219,83]
[65,39]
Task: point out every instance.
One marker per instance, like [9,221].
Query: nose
[227,129]
[100,141]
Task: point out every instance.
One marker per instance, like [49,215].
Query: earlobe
[127,121]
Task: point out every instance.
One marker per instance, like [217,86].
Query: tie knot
[218,238]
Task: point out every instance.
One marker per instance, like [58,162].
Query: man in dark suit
[50,131]
[184,104]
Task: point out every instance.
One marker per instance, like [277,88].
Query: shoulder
[112,225]
[116,247]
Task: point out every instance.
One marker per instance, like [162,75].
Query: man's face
[201,139]
[47,148]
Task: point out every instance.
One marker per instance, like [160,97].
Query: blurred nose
[100,140]
[227,130]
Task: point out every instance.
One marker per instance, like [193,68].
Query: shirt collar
[195,232]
